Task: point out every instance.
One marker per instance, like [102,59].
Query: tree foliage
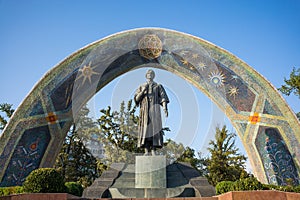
[44,180]
[225,163]
[5,191]
[176,152]
[172,150]
[74,188]
[84,123]
[119,133]
[244,184]
[6,109]
[292,85]
[75,162]
[198,163]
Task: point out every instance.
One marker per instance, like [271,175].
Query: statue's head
[150,74]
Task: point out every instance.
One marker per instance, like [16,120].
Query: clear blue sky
[37,34]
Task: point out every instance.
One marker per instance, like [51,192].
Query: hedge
[44,180]
[74,188]
[4,191]
[224,186]
[251,183]
[70,187]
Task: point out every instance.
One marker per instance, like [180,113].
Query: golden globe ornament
[150,46]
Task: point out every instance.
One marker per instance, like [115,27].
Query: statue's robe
[150,121]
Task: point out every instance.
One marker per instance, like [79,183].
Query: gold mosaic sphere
[150,46]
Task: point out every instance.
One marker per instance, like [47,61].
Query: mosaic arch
[266,125]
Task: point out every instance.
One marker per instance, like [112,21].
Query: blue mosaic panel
[238,93]
[278,162]
[271,109]
[180,59]
[37,109]
[27,155]
[62,95]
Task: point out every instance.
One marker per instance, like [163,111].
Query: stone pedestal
[150,172]
[174,180]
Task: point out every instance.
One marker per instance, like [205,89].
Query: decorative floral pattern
[280,166]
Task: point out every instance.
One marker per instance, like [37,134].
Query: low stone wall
[239,195]
[259,195]
[42,196]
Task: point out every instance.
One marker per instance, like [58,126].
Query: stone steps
[100,186]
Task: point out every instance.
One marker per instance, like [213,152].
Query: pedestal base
[150,172]
[119,182]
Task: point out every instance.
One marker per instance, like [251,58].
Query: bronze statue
[150,96]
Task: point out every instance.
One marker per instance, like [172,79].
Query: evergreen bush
[250,183]
[5,191]
[44,180]
[224,186]
[270,187]
[297,189]
[74,188]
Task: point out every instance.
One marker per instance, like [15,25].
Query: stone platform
[181,181]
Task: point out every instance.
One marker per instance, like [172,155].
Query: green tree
[44,180]
[172,150]
[176,152]
[83,124]
[225,163]
[199,163]
[75,162]
[119,133]
[6,109]
[292,85]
